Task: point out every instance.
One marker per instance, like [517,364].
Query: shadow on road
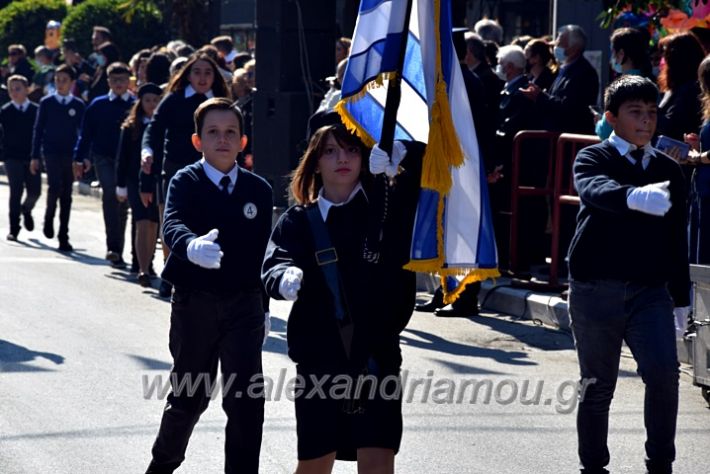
[539,337]
[148,363]
[432,342]
[76,254]
[276,342]
[13,358]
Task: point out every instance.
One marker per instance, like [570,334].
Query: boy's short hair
[118,68]
[18,78]
[217,103]
[70,44]
[17,48]
[66,69]
[223,43]
[42,51]
[627,88]
[103,31]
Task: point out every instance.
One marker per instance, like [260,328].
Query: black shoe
[165,290]
[112,256]
[12,237]
[29,222]
[144,280]
[432,305]
[454,312]
[65,246]
[151,271]
[48,229]
[119,264]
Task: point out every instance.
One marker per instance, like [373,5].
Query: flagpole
[379,194]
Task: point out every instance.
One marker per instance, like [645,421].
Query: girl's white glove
[380,161]
[290,283]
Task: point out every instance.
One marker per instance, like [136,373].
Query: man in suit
[565,107]
[478,64]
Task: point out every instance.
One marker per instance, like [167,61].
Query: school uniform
[17,122]
[216,314]
[98,143]
[168,137]
[379,298]
[55,132]
[628,270]
[128,165]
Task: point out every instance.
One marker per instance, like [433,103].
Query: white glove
[380,161]
[654,199]
[204,252]
[681,320]
[290,283]
[267,326]
[121,192]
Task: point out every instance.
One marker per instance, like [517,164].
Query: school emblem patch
[249,210]
[72,112]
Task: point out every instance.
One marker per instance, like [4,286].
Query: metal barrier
[568,145]
[518,192]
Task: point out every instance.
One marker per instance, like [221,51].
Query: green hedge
[142,28]
[24,22]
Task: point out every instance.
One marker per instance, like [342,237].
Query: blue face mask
[100,60]
[560,54]
[616,65]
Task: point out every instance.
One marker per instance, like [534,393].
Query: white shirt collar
[126,96]
[146,120]
[624,148]
[63,99]
[324,205]
[190,91]
[23,106]
[216,175]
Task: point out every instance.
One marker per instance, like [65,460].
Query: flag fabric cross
[453,233]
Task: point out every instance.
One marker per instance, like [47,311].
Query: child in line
[54,136]
[17,118]
[628,265]
[217,224]
[333,331]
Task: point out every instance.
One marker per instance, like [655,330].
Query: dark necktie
[637,155]
[224,183]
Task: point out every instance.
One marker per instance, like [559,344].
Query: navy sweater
[194,206]
[613,242]
[128,158]
[380,297]
[57,127]
[17,131]
[169,132]
[101,127]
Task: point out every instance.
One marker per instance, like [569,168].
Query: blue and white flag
[453,232]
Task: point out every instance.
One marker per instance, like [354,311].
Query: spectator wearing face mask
[565,108]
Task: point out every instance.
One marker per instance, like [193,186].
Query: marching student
[217,223]
[97,146]
[166,141]
[17,120]
[315,258]
[628,265]
[128,162]
[55,133]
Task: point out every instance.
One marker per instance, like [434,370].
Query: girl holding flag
[338,338]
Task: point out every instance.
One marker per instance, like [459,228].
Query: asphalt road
[79,341]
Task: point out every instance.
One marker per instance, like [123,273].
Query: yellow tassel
[479,274]
[352,125]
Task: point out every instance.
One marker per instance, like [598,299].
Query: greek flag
[453,232]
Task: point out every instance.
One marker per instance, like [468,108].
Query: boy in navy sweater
[55,133]
[217,224]
[98,145]
[628,264]
[17,119]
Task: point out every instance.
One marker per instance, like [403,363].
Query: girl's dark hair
[704,80]
[539,47]
[157,69]
[635,44]
[683,54]
[134,119]
[305,182]
[627,88]
[182,79]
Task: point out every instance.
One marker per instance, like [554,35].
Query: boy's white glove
[380,160]
[267,326]
[290,283]
[204,251]
[681,320]
[654,199]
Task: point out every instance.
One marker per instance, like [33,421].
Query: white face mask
[560,54]
[500,73]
